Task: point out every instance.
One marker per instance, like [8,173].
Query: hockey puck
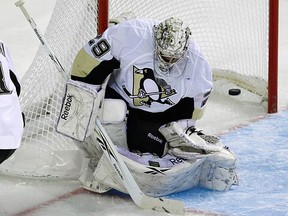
[234,91]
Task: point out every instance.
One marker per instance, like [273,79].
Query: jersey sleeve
[11,122]
[94,62]
[202,86]
[99,57]
[200,102]
[102,55]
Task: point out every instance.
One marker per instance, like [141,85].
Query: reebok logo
[66,108]
[176,161]
[157,139]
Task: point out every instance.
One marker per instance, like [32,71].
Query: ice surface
[262,153]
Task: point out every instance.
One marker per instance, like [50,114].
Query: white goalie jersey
[137,79]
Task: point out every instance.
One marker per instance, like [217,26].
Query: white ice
[259,141]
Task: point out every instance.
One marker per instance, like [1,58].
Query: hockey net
[233,35]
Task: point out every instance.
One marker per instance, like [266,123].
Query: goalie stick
[42,39]
[139,198]
[142,200]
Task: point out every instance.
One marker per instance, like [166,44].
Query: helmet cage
[172,42]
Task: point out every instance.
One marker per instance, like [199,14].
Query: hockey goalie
[148,83]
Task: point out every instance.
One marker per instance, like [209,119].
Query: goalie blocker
[80,107]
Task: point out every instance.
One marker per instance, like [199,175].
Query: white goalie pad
[175,172]
[170,174]
[87,179]
[155,176]
[219,171]
[80,108]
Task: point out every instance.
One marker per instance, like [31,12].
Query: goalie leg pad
[219,171]
[105,174]
[87,179]
[97,174]
[155,176]
[80,108]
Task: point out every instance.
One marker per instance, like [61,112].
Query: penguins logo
[146,90]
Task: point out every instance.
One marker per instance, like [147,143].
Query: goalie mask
[172,41]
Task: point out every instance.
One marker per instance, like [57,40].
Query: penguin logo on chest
[146,90]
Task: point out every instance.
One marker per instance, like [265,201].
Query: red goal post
[273,56]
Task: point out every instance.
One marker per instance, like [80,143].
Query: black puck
[234,91]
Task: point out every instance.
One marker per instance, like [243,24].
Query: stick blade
[163,205]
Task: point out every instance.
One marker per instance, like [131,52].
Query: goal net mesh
[232,34]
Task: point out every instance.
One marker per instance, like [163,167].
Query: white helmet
[172,41]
